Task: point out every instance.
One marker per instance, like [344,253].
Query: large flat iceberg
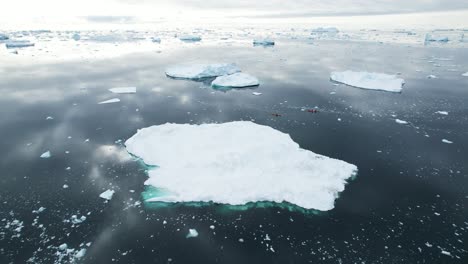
[236,80]
[236,163]
[200,71]
[369,80]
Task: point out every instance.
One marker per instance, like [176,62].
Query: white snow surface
[237,163]
[107,194]
[236,80]
[199,71]
[123,90]
[369,80]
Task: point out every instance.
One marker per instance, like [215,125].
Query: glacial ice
[10,44]
[3,37]
[263,42]
[113,100]
[123,90]
[200,71]
[236,80]
[107,194]
[190,38]
[369,80]
[236,163]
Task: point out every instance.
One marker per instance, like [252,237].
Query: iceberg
[107,194]
[263,42]
[369,80]
[123,90]
[190,38]
[431,38]
[3,37]
[113,100]
[76,37]
[236,80]
[156,40]
[11,44]
[200,71]
[236,163]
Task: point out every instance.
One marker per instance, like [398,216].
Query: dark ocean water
[406,205]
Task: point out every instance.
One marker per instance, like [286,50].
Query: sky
[125,11]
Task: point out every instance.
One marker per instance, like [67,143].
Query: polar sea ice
[200,71]
[236,80]
[369,80]
[236,163]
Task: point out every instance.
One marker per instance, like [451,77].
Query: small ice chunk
[190,38]
[46,155]
[80,253]
[322,30]
[107,194]
[446,253]
[200,71]
[447,141]
[156,40]
[10,44]
[402,122]
[76,37]
[256,93]
[192,233]
[432,77]
[40,210]
[123,90]
[63,246]
[49,118]
[236,80]
[369,80]
[431,38]
[212,227]
[75,220]
[113,100]
[465,74]
[65,186]
[263,42]
[442,112]
[3,37]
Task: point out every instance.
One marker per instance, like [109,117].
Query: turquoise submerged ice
[200,70]
[237,163]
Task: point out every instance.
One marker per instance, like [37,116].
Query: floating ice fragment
[40,210]
[200,71]
[212,227]
[10,44]
[322,30]
[46,155]
[432,77]
[190,38]
[123,90]
[256,93]
[188,172]
[113,100]
[80,253]
[431,38]
[368,80]
[76,37]
[236,80]
[3,37]
[465,74]
[263,42]
[49,118]
[399,121]
[442,112]
[446,253]
[447,141]
[63,246]
[65,186]
[107,194]
[156,40]
[75,220]
[192,233]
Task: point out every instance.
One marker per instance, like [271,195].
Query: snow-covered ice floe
[236,80]
[190,38]
[110,101]
[123,90]
[369,80]
[236,163]
[11,44]
[200,71]
[263,42]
